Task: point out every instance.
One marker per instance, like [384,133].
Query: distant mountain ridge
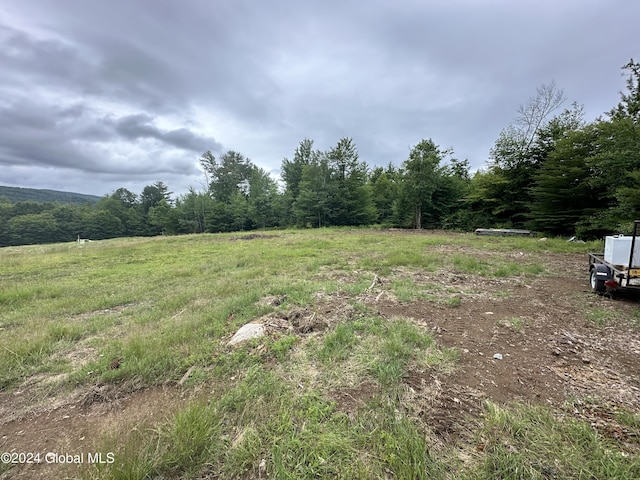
[19,194]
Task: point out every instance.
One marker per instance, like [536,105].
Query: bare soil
[79,422]
[551,354]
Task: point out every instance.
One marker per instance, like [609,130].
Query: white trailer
[618,268]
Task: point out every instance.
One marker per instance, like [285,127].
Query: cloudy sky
[97,95]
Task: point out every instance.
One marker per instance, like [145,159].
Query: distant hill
[18,194]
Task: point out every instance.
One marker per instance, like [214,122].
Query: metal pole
[633,245]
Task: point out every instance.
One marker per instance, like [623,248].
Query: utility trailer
[618,268]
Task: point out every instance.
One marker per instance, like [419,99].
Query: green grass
[498,267]
[338,344]
[607,313]
[400,343]
[454,301]
[525,442]
[516,323]
[629,420]
[275,407]
[407,290]
[298,434]
[599,316]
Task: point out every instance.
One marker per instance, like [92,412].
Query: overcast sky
[101,94]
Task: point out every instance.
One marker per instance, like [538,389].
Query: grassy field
[131,315]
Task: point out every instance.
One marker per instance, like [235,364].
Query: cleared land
[378,362]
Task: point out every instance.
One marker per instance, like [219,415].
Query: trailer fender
[599,274]
[603,272]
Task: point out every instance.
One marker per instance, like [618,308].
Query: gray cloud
[69,136]
[134,127]
[133,92]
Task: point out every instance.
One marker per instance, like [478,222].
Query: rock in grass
[247,332]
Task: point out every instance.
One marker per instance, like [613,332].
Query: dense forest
[550,171]
[18,194]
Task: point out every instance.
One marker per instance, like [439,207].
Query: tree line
[561,175]
[20,194]
[549,171]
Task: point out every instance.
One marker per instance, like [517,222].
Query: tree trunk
[418,217]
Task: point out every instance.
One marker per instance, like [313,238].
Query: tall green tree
[420,174]
[448,206]
[152,195]
[99,224]
[352,203]
[227,176]
[484,204]
[124,204]
[164,217]
[291,170]
[563,193]
[313,205]
[262,201]
[193,211]
[629,106]
[588,183]
[238,213]
[69,219]
[385,187]
[291,174]
[127,198]
[522,147]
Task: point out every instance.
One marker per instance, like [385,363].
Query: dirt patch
[272,300]
[45,391]
[524,339]
[303,323]
[326,312]
[351,400]
[81,423]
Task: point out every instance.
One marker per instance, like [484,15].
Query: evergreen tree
[316,191]
[384,186]
[521,149]
[629,106]
[193,209]
[420,173]
[563,192]
[262,201]
[124,204]
[291,173]
[164,218]
[352,203]
[448,198]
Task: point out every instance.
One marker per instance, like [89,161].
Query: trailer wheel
[597,284]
